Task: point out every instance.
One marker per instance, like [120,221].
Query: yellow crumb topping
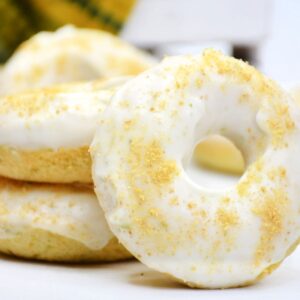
[128,124]
[240,71]
[278,172]
[32,102]
[174,201]
[149,164]
[280,124]
[183,76]
[253,177]
[226,218]
[271,211]
[26,104]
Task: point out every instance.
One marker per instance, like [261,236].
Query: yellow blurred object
[22,18]
[219,154]
[108,15]
[15,27]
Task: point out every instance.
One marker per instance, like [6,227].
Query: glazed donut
[45,133]
[204,237]
[70,54]
[55,223]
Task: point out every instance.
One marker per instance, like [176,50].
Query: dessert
[203,237]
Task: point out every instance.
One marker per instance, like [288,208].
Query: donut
[54,223]
[70,54]
[45,133]
[143,145]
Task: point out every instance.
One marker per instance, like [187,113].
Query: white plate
[131,280]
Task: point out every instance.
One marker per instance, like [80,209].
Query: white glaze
[188,239]
[68,55]
[67,211]
[74,126]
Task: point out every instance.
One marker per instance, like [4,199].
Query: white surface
[155,22]
[131,280]
[24,280]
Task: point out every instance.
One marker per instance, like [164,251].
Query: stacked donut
[144,131]
[48,209]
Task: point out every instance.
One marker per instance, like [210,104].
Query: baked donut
[45,133]
[55,223]
[70,54]
[205,238]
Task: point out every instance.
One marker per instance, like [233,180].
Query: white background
[280,52]
[273,25]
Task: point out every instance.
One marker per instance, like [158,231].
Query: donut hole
[216,163]
[220,154]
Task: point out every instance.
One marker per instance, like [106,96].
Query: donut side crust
[38,244]
[64,165]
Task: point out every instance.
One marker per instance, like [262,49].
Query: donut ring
[203,237]
[70,54]
[45,133]
[54,223]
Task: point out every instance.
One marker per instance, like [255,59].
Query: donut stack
[48,209]
[141,133]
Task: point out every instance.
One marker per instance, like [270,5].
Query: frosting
[202,236]
[69,55]
[60,116]
[72,212]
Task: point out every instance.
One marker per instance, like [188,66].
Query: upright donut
[55,223]
[45,133]
[67,55]
[203,237]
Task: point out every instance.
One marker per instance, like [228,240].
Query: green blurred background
[22,18]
